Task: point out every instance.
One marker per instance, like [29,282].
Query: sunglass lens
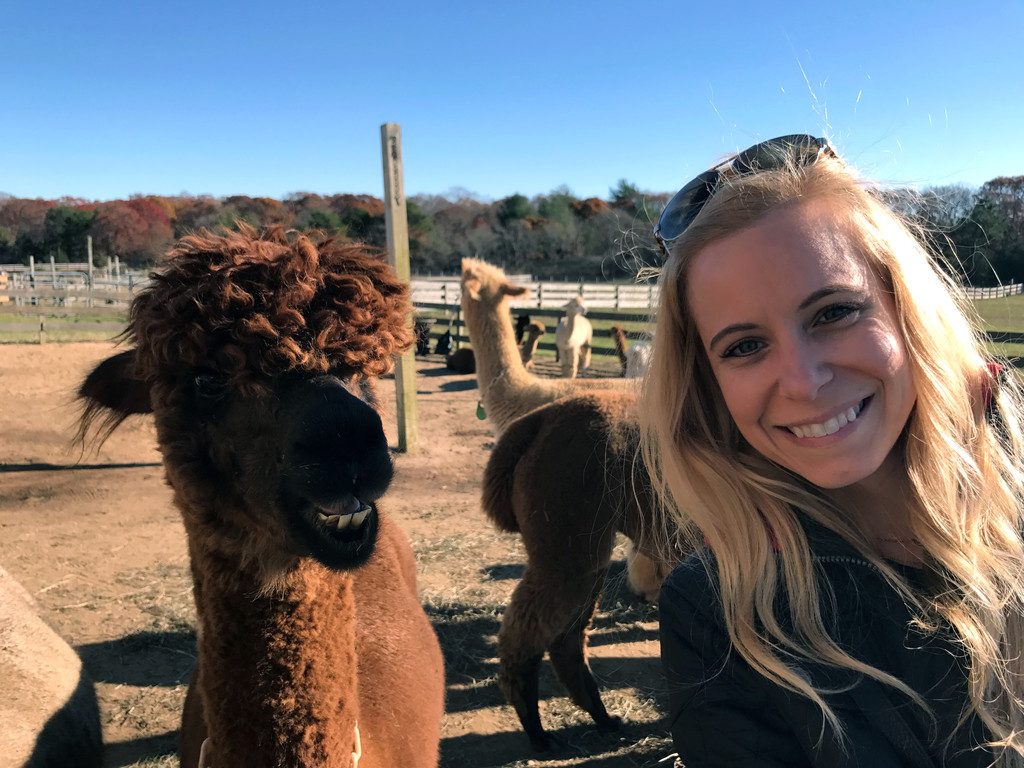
[685,204]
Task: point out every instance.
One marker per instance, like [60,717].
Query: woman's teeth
[832,425]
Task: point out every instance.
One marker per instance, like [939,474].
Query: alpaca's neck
[277,674]
[620,344]
[499,365]
[507,389]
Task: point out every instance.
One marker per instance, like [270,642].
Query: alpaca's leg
[527,627]
[568,363]
[569,657]
[585,351]
[643,575]
[572,357]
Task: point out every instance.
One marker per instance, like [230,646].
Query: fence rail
[425,290]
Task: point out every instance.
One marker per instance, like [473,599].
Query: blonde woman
[828,436]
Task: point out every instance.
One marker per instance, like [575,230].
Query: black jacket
[723,713]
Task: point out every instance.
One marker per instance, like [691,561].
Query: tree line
[978,232]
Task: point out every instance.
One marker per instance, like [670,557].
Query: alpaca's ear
[471,285]
[110,394]
[114,385]
[514,290]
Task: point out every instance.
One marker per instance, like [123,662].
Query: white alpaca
[638,357]
[635,358]
[573,337]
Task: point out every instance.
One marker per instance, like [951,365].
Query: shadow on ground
[124,753]
[142,658]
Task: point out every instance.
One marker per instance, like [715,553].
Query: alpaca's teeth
[359,517]
[322,516]
[343,521]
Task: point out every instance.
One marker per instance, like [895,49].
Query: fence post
[540,295]
[88,249]
[53,273]
[617,296]
[396,222]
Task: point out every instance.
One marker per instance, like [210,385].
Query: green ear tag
[480,412]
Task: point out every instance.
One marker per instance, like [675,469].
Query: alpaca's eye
[209,386]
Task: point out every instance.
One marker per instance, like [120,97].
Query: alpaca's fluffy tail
[499,474]
[620,344]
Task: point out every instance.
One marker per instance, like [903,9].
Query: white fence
[426,290]
[996,292]
[547,295]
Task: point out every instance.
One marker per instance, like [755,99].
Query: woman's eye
[209,386]
[743,348]
[837,312]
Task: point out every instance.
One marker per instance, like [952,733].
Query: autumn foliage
[978,232]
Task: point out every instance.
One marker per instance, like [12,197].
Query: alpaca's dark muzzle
[336,464]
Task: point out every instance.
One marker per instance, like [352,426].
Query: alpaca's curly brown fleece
[251,304]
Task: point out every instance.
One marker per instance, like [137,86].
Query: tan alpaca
[48,707]
[257,356]
[573,337]
[507,389]
[533,334]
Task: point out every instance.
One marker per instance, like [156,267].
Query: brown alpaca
[461,361]
[619,337]
[595,415]
[507,389]
[567,477]
[257,357]
[534,331]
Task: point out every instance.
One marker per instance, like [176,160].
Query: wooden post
[396,223]
[88,248]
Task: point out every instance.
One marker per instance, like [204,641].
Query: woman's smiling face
[803,340]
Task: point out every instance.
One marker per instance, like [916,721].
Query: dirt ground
[96,541]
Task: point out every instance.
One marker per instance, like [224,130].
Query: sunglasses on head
[799,148]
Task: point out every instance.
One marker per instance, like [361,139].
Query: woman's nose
[802,370]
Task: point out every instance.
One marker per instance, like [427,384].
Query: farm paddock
[103,551]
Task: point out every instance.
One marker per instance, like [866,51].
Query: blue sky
[103,100]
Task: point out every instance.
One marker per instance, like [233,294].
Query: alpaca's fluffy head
[253,306]
[575,306]
[535,330]
[486,283]
[256,355]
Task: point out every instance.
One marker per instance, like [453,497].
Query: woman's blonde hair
[967,480]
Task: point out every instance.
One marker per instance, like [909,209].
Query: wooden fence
[443,318]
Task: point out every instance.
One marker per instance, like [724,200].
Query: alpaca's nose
[335,441]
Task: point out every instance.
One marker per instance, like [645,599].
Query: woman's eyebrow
[828,290]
